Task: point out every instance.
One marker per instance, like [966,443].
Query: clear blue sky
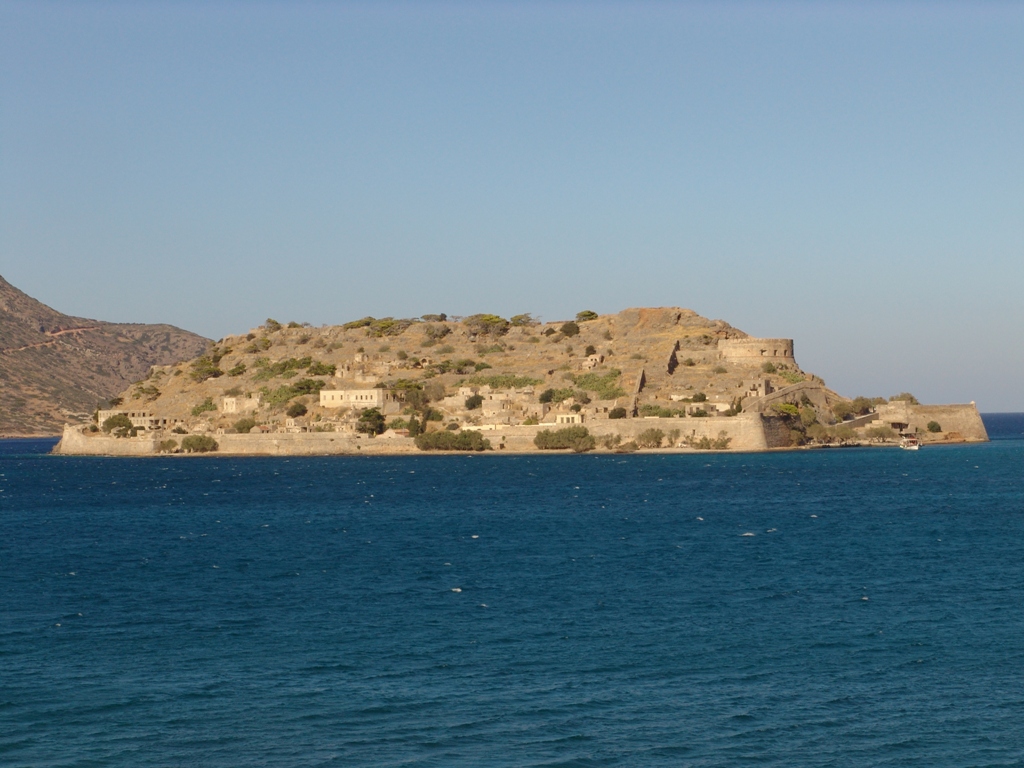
[849,175]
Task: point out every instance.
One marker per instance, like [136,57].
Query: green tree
[203,407]
[905,397]
[473,402]
[934,426]
[120,425]
[585,315]
[295,410]
[488,325]
[576,438]
[204,368]
[618,412]
[199,444]
[768,368]
[650,438]
[371,422]
[243,425]
[272,325]
[569,329]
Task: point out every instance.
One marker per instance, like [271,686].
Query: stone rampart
[745,431]
[756,350]
[74,442]
[961,418]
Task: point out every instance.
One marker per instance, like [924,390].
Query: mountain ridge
[56,367]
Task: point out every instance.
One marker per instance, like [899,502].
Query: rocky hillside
[56,368]
[647,361]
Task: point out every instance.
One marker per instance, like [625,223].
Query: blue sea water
[820,608]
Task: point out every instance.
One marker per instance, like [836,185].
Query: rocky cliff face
[55,368]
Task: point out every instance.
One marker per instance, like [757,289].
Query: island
[643,379]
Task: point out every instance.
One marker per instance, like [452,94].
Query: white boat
[910,443]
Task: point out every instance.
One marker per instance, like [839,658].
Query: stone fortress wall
[751,350]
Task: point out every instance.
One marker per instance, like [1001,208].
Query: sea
[841,607]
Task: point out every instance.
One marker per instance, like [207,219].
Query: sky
[850,175]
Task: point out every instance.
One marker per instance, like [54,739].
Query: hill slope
[55,368]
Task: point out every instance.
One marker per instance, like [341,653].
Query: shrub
[452,426]
[272,325]
[243,425]
[167,446]
[549,331]
[650,438]
[819,432]
[437,318]
[354,324]
[569,329]
[482,367]
[403,355]
[705,443]
[578,439]
[436,332]
[294,324]
[934,426]
[473,402]
[447,349]
[388,326]
[564,393]
[204,368]
[199,444]
[260,345]
[617,413]
[650,409]
[791,377]
[605,386]
[611,441]
[880,433]
[531,421]
[768,368]
[237,370]
[321,369]
[786,409]
[905,397]
[487,325]
[842,410]
[119,424]
[503,381]
[295,410]
[469,440]
[720,369]
[203,407]
[808,417]
[630,447]
[585,315]
[689,362]
[522,321]
[590,350]
[700,397]
[179,431]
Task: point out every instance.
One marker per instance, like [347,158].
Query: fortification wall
[962,418]
[73,442]
[745,432]
[756,350]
